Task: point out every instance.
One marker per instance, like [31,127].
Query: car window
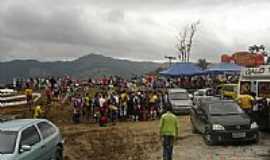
[201,93]
[30,136]
[225,108]
[196,93]
[228,88]
[179,96]
[7,141]
[46,129]
[210,92]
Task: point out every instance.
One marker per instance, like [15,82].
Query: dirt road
[140,141]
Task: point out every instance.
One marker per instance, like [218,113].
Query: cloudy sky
[134,29]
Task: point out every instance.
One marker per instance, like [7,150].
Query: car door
[50,138]
[193,116]
[199,120]
[203,121]
[31,137]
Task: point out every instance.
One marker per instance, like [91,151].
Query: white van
[255,81]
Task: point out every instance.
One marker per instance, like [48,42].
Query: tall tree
[185,41]
[257,48]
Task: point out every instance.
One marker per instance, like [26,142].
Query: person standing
[87,107]
[29,96]
[246,102]
[168,131]
[38,112]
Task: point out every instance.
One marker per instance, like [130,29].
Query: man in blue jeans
[169,131]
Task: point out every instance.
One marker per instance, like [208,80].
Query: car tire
[257,139]
[208,139]
[59,153]
[194,129]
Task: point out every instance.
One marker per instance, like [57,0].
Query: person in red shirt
[48,93]
[103,115]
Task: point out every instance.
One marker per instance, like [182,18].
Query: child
[38,112]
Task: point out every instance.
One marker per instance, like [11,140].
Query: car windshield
[179,96]
[229,88]
[200,93]
[7,141]
[225,109]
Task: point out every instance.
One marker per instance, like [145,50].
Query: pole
[170,58]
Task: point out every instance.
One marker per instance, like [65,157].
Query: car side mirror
[25,148]
[191,96]
[199,112]
[194,106]
[204,117]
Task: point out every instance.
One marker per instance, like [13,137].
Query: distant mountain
[92,65]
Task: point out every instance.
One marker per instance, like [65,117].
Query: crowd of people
[151,81]
[112,99]
[119,105]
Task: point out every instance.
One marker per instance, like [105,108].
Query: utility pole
[170,58]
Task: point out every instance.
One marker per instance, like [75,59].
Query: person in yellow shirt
[29,98]
[38,112]
[246,102]
[123,104]
[153,98]
[169,132]
[153,105]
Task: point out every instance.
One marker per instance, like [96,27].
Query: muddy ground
[140,140]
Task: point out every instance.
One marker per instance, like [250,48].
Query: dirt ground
[140,140]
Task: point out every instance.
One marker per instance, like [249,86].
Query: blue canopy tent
[182,69]
[224,68]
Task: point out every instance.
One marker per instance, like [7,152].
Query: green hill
[92,65]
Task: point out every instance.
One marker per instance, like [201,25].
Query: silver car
[202,94]
[180,100]
[30,139]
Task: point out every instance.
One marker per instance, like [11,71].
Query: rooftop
[17,125]
[177,90]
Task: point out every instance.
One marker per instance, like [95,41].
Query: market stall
[224,68]
[182,69]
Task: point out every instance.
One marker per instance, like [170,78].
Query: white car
[180,100]
[202,93]
[30,139]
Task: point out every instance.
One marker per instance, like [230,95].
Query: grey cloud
[115,16]
[66,27]
[168,4]
[60,29]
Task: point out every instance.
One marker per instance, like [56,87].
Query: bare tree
[185,41]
